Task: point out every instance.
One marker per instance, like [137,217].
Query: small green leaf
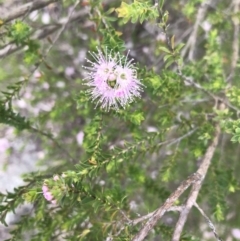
[161,3]
[164,49]
[234,139]
[179,47]
[171,61]
[137,118]
[166,57]
[237,130]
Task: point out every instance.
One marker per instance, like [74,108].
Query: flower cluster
[47,194]
[112,79]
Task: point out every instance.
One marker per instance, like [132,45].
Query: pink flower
[44,188]
[47,194]
[56,177]
[112,80]
[54,201]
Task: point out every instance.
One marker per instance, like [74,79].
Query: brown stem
[26,8]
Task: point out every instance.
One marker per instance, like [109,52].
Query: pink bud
[48,196]
[44,188]
[56,177]
[64,175]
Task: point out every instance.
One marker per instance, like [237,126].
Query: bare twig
[56,143]
[200,87]
[149,215]
[168,203]
[26,8]
[41,34]
[202,170]
[211,149]
[188,80]
[210,224]
[195,180]
[141,219]
[191,44]
[177,140]
[235,44]
[63,26]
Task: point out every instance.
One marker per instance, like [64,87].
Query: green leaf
[179,47]
[137,118]
[166,57]
[170,61]
[161,3]
[164,49]
[237,130]
[141,10]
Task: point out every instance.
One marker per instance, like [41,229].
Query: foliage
[138,10]
[106,170]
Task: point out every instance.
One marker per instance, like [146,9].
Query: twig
[235,44]
[42,60]
[210,224]
[202,170]
[168,203]
[141,219]
[187,79]
[195,180]
[191,44]
[50,137]
[199,87]
[149,215]
[211,149]
[172,142]
[40,34]
[26,8]
[63,26]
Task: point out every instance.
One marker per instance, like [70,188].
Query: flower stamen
[112,80]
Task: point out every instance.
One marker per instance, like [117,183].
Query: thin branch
[195,180]
[149,215]
[42,60]
[210,224]
[187,79]
[211,149]
[199,87]
[174,141]
[56,143]
[196,85]
[41,34]
[235,44]
[63,26]
[143,218]
[191,44]
[147,227]
[26,8]
[202,170]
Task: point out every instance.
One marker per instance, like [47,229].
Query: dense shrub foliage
[134,108]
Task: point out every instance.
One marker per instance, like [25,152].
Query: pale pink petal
[54,201]
[56,177]
[112,80]
[48,196]
[44,188]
